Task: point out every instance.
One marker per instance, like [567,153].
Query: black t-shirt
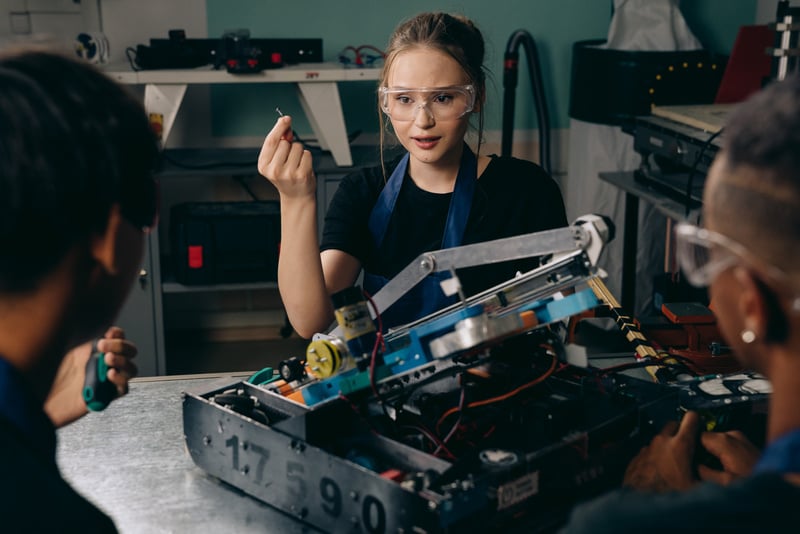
[512,197]
[761,503]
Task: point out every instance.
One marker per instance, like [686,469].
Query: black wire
[212,165]
[131,60]
[309,144]
[249,191]
[634,365]
[693,172]
[239,179]
[510,67]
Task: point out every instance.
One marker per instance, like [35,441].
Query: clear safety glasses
[442,103]
[703,254]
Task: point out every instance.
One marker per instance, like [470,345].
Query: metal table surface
[130,461]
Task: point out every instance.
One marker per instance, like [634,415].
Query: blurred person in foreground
[77,197]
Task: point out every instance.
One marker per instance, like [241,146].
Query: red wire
[432,437]
[378,343]
[502,397]
[458,421]
[370,47]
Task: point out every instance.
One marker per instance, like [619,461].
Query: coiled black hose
[510,67]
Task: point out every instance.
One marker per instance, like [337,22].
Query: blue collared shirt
[782,455]
[20,407]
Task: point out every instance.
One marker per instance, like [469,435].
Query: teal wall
[248,110]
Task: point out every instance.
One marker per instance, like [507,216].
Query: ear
[752,304]
[104,245]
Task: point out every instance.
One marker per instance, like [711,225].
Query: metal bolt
[206,440]
[354,495]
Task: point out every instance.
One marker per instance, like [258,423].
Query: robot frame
[466,420]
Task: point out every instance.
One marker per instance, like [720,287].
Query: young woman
[439,194]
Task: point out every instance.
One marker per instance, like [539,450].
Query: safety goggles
[703,254]
[442,103]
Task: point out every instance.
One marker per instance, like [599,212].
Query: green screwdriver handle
[98,390]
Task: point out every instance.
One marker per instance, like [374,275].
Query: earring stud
[748,336]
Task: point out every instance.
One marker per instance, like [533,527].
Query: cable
[204,166]
[132,59]
[693,171]
[502,397]
[249,191]
[378,343]
[510,64]
[461,401]
[635,365]
[360,59]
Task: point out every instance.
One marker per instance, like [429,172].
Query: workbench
[130,461]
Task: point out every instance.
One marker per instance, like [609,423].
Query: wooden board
[710,118]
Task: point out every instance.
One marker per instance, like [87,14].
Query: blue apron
[427,296]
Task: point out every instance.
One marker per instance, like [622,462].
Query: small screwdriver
[294,136]
[98,390]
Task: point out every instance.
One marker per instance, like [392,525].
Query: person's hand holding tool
[108,370]
[81,368]
[286,163]
[666,463]
[736,454]
[289,136]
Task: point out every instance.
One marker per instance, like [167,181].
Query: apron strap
[460,201]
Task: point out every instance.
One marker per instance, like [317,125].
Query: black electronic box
[225,242]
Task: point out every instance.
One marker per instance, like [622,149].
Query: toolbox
[225,242]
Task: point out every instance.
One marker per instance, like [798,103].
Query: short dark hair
[72,144]
[764,131]
[758,195]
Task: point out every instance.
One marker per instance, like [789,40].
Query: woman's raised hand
[286,163]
